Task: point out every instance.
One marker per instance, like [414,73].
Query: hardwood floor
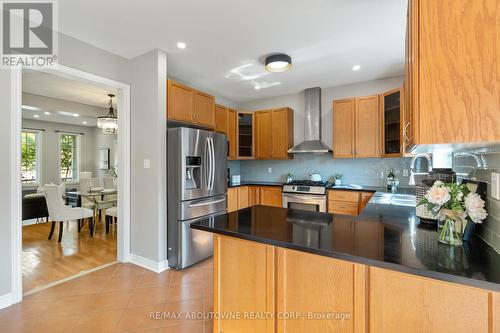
[119,298]
[45,261]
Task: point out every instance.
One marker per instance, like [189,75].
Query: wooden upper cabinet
[263,135]
[188,105]
[231,134]
[391,119]
[246,135]
[343,128]
[180,104]
[273,134]
[270,196]
[281,133]
[455,71]
[220,119]
[204,109]
[367,143]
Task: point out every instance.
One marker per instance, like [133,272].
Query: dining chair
[108,182]
[59,212]
[111,217]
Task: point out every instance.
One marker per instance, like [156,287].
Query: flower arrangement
[453,205]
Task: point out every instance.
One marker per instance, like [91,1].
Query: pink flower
[475,207]
[438,195]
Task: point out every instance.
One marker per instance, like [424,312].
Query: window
[69,157]
[30,157]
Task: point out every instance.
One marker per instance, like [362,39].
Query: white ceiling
[227,39]
[72,90]
[69,101]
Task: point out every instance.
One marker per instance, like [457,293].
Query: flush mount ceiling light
[109,123]
[181,45]
[356,68]
[278,63]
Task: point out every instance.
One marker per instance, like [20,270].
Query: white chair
[58,212]
[108,182]
[85,174]
[111,215]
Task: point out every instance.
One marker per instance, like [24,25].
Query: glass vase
[450,232]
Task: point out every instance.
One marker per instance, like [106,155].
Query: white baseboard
[6,300]
[154,266]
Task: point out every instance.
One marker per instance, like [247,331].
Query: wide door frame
[123,237]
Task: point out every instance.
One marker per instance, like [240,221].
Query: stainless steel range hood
[312,143]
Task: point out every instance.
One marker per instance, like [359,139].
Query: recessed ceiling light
[356,67]
[84,122]
[76,115]
[36,116]
[46,112]
[257,87]
[181,45]
[278,63]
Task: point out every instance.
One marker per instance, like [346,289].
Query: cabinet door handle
[405,135]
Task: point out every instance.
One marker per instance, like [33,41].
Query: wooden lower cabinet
[299,289]
[243,283]
[271,196]
[310,286]
[407,303]
[248,196]
[232,199]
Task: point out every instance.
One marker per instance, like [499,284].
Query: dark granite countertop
[384,235]
[256,183]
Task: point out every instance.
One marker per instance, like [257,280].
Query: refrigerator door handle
[206,203]
[213,162]
[210,145]
[208,157]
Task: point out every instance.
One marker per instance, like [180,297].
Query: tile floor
[119,298]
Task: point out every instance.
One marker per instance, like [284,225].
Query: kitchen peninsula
[379,272]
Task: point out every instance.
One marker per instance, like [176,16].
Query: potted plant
[338,179]
[454,206]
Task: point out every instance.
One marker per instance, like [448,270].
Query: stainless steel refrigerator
[196,189]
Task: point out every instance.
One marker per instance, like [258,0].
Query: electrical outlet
[269,170]
[405,172]
[495,185]
[147,164]
[381,174]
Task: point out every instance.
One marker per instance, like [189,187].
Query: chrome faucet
[480,160]
[412,167]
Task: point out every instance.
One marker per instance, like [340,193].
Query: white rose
[475,207]
[438,195]
[437,183]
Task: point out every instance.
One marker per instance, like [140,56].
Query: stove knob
[293,188]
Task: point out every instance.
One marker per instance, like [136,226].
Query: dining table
[97,198]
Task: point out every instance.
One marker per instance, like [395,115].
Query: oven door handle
[304,197]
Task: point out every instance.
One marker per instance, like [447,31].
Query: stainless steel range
[306,195]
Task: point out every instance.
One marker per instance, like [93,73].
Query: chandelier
[109,123]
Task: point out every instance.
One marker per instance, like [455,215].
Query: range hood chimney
[312,125]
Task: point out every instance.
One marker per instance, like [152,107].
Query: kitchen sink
[395,199]
[348,186]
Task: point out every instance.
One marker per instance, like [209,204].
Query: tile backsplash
[480,168]
[362,171]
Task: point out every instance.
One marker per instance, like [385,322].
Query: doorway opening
[74,184]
